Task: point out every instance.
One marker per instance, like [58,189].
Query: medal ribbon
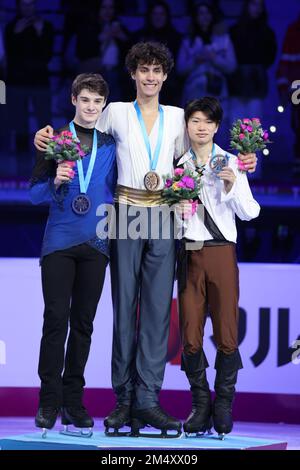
[194,157]
[85,181]
[153,161]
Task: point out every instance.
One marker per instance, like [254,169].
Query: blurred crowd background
[247,53]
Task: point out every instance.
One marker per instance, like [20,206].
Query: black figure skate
[79,418]
[156,418]
[46,418]
[117,419]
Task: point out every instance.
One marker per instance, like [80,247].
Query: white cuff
[225,197]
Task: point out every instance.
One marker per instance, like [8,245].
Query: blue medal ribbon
[194,157]
[85,181]
[213,155]
[153,161]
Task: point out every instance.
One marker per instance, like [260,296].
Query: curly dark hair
[149,53]
[94,82]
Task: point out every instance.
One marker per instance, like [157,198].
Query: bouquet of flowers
[248,136]
[65,147]
[185,184]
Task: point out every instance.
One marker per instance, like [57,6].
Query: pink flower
[168,183]
[246,121]
[181,184]
[179,171]
[67,133]
[68,142]
[265,135]
[243,127]
[79,150]
[242,136]
[188,182]
[249,128]
[256,120]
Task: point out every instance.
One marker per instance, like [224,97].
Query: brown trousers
[212,285]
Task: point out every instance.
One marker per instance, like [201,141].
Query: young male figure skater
[211,276]
[148,137]
[73,259]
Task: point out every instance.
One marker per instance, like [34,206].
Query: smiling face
[201,129]
[88,106]
[149,79]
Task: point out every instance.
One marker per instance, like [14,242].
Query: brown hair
[94,82]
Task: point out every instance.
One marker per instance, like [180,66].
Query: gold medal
[151,181]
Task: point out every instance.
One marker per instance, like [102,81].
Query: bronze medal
[151,181]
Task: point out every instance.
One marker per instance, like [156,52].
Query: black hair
[149,53]
[195,27]
[245,17]
[151,7]
[208,105]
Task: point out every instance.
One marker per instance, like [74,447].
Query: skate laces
[161,415]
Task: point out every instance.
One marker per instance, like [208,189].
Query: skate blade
[116,433]
[198,435]
[222,436]
[86,434]
[163,435]
[44,433]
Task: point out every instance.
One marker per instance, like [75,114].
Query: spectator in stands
[74,11]
[158,27]
[29,46]
[255,48]
[101,46]
[205,56]
[177,7]
[288,72]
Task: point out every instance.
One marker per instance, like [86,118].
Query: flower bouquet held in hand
[184,185]
[248,136]
[64,147]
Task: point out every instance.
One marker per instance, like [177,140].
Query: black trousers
[72,281]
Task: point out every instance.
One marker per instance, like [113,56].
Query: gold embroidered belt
[138,197]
